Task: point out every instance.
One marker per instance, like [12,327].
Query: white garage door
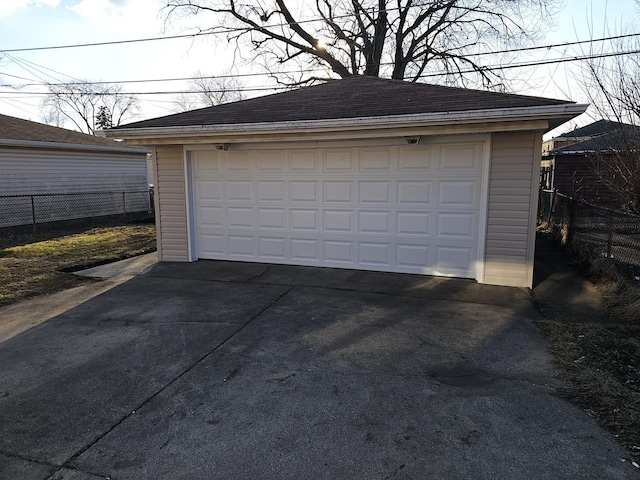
[409,208]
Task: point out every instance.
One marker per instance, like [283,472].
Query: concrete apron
[22,316]
[235,370]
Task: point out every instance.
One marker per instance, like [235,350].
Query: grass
[602,363]
[36,265]
[601,358]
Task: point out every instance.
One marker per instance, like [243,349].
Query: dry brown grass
[31,266]
[602,362]
[620,292]
[600,355]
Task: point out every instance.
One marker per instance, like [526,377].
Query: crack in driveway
[69,462]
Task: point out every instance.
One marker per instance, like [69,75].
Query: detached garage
[360,173]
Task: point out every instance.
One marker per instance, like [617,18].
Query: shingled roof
[607,137]
[352,97]
[17,129]
[599,127]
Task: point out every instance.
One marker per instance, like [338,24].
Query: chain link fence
[19,211]
[592,231]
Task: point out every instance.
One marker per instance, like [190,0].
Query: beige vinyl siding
[171,213]
[509,241]
[26,171]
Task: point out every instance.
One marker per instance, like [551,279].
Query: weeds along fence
[36,211]
[593,232]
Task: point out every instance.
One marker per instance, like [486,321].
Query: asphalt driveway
[230,370]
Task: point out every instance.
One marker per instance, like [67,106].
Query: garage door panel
[374,222]
[304,191]
[240,191]
[212,245]
[414,257]
[456,261]
[338,251]
[240,217]
[414,192]
[463,159]
[272,248]
[304,220]
[411,209]
[413,223]
[414,160]
[241,245]
[209,190]
[375,161]
[272,218]
[239,161]
[307,250]
[338,161]
[206,161]
[303,161]
[458,193]
[211,216]
[375,254]
[270,161]
[338,192]
[338,221]
[375,192]
[458,226]
[271,191]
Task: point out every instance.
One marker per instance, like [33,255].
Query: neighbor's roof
[16,130]
[601,136]
[596,128]
[352,97]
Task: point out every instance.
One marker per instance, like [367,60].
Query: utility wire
[247,75]
[426,75]
[262,89]
[173,37]
[537,63]
[240,29]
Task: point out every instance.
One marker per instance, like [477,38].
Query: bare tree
[82,102]
[52,116]
[399,39]
[207,91]
[612,85]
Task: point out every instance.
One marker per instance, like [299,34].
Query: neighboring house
[359,173]
[570,166]
[41,165]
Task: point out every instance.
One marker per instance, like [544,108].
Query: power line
[171,37]
[157,80]
[21,78]
[536,63]
[240,29]
[246,75]
[106,94]
[426,75]
[557,45]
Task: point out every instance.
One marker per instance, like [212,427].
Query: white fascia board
[546,112]
[73,146]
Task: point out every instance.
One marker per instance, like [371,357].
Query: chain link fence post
[33,213]
[609,234]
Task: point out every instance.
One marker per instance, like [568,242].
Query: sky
[38,23]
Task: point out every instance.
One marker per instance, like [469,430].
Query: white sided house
[49,174]
[359,173]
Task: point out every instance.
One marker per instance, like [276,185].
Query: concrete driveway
[230,370]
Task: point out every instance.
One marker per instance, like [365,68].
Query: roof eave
[561,112]
[71,146]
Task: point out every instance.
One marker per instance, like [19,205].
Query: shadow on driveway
[238,370]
